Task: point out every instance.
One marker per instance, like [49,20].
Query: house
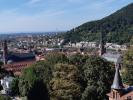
[115,46]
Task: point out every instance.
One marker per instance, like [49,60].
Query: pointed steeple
[117,83]
[5,51]
[102,45]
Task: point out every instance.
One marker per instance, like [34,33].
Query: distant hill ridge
[118,28]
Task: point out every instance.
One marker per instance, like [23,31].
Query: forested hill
[118,28]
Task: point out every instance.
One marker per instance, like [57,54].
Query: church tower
[117,86]
[5,52]
[102,45]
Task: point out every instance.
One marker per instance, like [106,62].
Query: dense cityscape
[93,61]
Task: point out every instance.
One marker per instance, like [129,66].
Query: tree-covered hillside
[118,28]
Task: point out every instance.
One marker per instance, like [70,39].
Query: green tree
[127,70]
[90,93]
[79,60]
[127,75]
[131,40]
[99,76]
[15,87]
[64,85]
[41,71]
[5,97]
[23,87]
[38,91]
[128,57]
[54,58]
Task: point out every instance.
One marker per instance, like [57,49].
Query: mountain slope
[117,27]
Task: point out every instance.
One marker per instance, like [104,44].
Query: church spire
[117,83]
[102,45]
[5,52]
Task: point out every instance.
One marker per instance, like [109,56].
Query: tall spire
[102,45]
[117,83]
[5,52]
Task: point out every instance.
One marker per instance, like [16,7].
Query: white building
[6,84]
[115,46]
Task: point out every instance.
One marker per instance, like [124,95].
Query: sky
[53,15]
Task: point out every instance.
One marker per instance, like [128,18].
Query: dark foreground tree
[41,71]
[2,97]
[15,87]
[38,91]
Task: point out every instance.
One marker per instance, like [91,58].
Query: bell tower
[5,52]
[117,86]
[102,45]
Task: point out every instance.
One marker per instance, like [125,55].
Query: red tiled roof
[124,96]
[18,66]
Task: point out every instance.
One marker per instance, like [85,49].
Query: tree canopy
[64,85]
[77,77]
[127,69]
[99,76]
[34,81]
[54,58]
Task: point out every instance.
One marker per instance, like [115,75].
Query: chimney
[5,52]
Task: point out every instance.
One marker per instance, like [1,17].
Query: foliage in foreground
[99,75]
[71,78]
[64,84]
[127,70]
[2,97]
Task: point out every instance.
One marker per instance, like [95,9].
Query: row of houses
[112,46]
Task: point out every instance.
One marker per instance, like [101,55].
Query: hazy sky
[53,15]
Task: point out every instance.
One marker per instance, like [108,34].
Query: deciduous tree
[64,85]
[99,76]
